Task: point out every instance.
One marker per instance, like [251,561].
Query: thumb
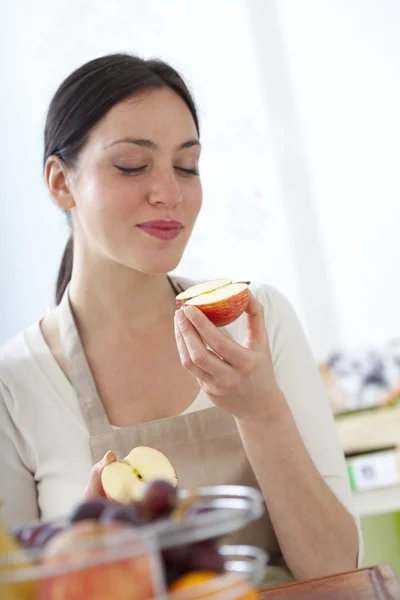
[256,335]
[94,488]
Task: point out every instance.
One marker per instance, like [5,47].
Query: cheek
[111,198]
[195,199]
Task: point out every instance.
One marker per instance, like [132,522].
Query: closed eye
[187,171]
[131,170]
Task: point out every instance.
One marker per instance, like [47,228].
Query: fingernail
[107,457]
[180,316]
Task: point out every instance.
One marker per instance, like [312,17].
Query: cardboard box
[374,469]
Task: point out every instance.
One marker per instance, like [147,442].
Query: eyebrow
[149,144]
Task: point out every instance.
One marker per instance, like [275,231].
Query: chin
[157,266]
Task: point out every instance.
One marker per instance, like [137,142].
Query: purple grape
[125,513]
[90,509]
[176,562]
[159,500]
[204,556]
[27,534]
[46,534]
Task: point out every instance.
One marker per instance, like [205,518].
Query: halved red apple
[220,300]
[125,481]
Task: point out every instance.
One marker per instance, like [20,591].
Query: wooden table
[372,583]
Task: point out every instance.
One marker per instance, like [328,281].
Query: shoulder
[280,318]
[274,302]
[16,357]
[13,351]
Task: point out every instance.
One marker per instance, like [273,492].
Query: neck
[119,297]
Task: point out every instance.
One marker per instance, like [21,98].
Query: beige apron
[205,446]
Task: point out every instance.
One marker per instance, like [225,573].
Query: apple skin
[224,311]
[179,303]
[128,578]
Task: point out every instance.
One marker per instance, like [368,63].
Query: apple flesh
[125,481]
[200,288]
[221,305]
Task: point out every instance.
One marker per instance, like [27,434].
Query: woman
[115,365]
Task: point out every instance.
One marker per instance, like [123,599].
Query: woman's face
[135,188]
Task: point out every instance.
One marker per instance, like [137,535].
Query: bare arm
[316,533]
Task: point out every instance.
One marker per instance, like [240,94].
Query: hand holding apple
[238,378]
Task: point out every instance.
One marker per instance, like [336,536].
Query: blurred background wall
[300,125]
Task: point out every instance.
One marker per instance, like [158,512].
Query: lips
[162,229]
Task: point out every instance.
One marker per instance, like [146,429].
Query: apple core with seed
[125,480]
[220,300]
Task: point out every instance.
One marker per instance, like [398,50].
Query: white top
[45,455]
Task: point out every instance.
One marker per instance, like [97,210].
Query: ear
[57,180]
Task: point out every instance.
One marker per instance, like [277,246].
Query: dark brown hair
[85,97]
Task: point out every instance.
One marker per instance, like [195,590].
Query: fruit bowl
[245,560]
[114,571]
[93,554]
[220,510]
[122,565]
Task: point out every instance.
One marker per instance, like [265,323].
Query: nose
[165,189]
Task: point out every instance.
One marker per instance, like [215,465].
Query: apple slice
[224,304]
[201,288]
[125,481]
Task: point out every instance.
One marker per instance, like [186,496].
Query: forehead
[159,115]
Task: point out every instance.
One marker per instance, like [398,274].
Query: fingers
[229,350]
[256,335]
[185,356]
[94,487]
[194,355]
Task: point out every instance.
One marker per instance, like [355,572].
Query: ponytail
[65,271]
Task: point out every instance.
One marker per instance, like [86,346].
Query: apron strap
[175,285]
[79,372]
